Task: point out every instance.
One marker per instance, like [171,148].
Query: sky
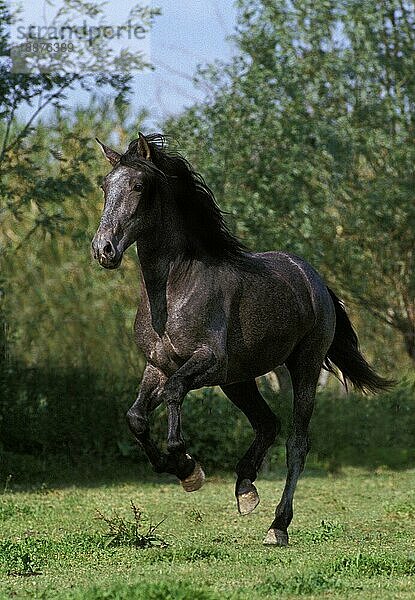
[188,33]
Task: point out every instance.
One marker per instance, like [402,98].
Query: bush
[79,414]
[366,430]
[71,411]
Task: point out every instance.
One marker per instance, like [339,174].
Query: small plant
[195,516]
[28,569]
[139,532]
[325,532]
[373,565]
[7,483]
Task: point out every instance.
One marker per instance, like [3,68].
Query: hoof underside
[248,498]
[195,480]
[276,537]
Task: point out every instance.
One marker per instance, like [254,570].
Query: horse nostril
[108,250]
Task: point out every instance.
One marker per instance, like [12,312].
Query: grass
[352,537]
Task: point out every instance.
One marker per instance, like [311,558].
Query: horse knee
[136,422]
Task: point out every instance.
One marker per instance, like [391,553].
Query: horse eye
[138,187]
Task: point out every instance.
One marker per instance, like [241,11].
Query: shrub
[78,414]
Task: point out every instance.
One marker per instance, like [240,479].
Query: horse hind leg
[247,398]
[304,372]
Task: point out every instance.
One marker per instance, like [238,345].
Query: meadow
[352,537]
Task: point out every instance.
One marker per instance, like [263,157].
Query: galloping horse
[213,313]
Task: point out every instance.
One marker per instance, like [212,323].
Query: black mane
[203,219]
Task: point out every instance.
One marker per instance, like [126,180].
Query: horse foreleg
[137,416]
[248,399]
[201,369]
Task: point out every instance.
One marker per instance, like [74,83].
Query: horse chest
[168,329]
[164,347]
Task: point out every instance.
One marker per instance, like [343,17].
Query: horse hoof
[276,537]
[248,499]
[195,480]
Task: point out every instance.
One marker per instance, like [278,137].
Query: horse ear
[143,147]
[109,154]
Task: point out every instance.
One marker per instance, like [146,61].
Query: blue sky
[188,33]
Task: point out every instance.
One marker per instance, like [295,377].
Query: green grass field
[353,536]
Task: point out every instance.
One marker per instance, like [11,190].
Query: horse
[212,313]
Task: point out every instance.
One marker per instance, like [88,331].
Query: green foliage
[342,574]
[25,558]
[32,553]
[301,584]
[307,140]
[360,430]
[68,413]
[78,415]
[195,515]
[37,177]
[60,308]
[369,565]
[327,531]
[49,209]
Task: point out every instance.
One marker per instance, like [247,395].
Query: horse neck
[162,245]
[159,252]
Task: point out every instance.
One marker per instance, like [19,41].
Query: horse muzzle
[104,248]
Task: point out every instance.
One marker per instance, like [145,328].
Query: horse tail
[345,354]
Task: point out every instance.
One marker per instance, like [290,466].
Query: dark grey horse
[213,313]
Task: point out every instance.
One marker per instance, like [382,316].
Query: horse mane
[203,219]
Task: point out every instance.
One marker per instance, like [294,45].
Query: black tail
[344,353]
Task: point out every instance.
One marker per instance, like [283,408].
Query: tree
[380,212]
[34,179]
[63,311]
[308,141]
[38,179]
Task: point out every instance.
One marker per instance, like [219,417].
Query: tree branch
[7,132]
[41,106]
